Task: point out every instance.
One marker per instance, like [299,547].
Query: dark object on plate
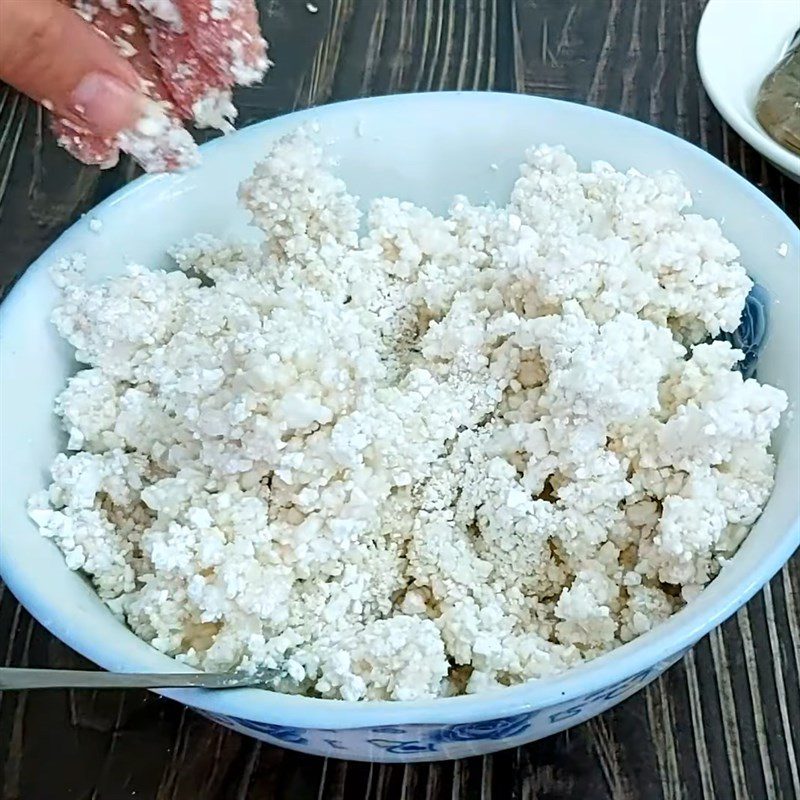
[778,100]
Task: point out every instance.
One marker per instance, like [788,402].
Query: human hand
[124,74]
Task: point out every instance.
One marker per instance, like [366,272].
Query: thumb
[52,55]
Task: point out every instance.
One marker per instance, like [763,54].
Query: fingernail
[104,104]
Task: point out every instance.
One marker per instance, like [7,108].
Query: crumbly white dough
[441,454]
[215,109]
[165,10]
[159,142]
[221,9]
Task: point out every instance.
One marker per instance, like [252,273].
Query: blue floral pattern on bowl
[491,729]
[751,334]
[403,747]
[283,733]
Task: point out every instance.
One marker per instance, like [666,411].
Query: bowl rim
[645,656]
[723,99]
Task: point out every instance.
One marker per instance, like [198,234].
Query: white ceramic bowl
[738,44]
[425,148]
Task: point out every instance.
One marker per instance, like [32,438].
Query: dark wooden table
[723,723]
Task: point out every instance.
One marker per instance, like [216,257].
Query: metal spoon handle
[22,678]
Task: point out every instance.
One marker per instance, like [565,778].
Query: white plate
[738,43]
